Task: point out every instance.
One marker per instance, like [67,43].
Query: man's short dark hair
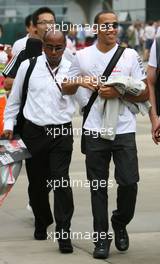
[96,19]
[28,20]
[41,10]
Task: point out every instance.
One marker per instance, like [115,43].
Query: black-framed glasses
[108,26]
[46,22]
[52,47]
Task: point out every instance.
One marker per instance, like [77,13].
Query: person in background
[4,57]
[42,19]
[3,94]
[3,45]
[131,36]
[153,71]
[149,35]
[158,29]
[33,49]
[71,37]
[81,36]
[21,43]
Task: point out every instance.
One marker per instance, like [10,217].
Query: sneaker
[121,239]
[65,245]
[101,250]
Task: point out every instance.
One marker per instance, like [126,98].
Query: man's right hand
[88,82]
[70,86]
[8,134]
[156,133]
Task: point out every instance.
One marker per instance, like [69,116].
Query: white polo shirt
[92,62]
[45,103]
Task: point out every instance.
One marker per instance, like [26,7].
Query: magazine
[12,151]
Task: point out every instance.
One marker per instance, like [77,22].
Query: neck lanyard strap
[54,76]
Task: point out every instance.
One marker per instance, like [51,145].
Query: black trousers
[51,157]
[98,155]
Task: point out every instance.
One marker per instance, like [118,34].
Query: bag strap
[158,51]
[106,73]
[32,62]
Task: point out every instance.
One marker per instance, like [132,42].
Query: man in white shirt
[21,43]
[48,114]
[152,76]
[91,62]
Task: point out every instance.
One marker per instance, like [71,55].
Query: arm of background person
[10,71]
[151,77]
[14,101]
[8,82]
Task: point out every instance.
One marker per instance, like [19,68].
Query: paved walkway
[16,223]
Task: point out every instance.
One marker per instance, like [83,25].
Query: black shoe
[40,234]
[101,250]
[121,239]
[65,245]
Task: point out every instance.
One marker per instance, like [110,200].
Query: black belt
[68,124]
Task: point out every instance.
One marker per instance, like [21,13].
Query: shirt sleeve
[152,57]
[14,99]
[137,70]
[13,66]
[75,69]
[63,71]
[15,48]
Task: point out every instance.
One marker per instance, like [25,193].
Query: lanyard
[54,76]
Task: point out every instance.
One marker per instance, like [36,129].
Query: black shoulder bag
[20,117]
[93,97]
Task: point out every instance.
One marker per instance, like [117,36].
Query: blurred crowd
[140,36]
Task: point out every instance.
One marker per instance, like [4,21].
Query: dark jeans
[98,155]
[51,157]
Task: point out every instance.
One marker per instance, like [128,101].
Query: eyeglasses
[108,26]
[56,48]
[45,22]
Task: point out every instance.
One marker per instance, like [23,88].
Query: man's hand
[8,134]
[155,131]
[156,134]
[89,82]
[108,92]
[70,86]
[8,82]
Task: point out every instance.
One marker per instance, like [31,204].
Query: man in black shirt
[33,49]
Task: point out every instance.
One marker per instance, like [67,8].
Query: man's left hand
[108,92]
